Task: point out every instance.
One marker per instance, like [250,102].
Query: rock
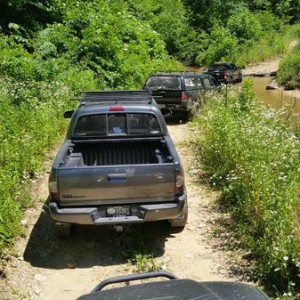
[272,86]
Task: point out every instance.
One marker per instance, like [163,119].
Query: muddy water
[277,99]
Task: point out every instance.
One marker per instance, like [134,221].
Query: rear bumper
[139,213]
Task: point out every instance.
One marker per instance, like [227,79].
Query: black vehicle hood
[181,289]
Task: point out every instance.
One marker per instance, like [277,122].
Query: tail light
[225,75]
[184,96]
[116,108]
[179,182]
[53,186]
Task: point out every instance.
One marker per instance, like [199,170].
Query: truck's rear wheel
[180,222]
[62,230]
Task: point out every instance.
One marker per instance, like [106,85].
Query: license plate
[118,211]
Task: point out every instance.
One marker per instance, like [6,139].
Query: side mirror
[68,114]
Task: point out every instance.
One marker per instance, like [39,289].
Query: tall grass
[289,69]
[254,159]
[269,46]
[30,123]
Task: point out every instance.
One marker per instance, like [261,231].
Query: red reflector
[116,108]
[184,96]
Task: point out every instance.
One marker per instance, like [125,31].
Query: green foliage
[254,160]
[30,124]
[221,47]
[117,48]
[271,45]
[144,263]
[244,25]
[29,15]
[289,70]
[15,60]
[167,17]
[206,14]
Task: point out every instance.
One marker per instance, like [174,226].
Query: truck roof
[105,100]
[116,102]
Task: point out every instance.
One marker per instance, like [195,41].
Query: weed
[253,159]
[144,262]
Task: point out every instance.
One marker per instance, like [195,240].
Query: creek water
[277,99]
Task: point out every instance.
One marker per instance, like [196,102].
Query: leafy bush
[254,160]
[222,47]
[119,48]
[289,70]
[244,25]
[30,123]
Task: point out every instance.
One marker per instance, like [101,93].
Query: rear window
[117,124]
[164,82]
[218,67]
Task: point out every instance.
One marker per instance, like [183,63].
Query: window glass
[138,123]
[217,67]
[193,82]
[189,82]
[206,82]
[143,124]
[213,82]
[164,82]
[117,124]
[91,125]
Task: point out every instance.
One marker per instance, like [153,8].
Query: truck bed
[118,153]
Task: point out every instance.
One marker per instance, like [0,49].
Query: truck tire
[180,222]
[62,230]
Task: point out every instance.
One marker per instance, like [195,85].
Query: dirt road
[47,268]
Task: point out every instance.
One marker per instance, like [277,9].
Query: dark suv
[180,91]
[226,72]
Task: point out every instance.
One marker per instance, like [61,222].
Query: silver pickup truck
[117,165]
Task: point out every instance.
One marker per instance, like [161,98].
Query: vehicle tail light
[225,75]
[116,108]
[184,96]
[53,187]
[179,182]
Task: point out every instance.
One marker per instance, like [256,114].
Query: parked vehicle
[226,72]
[180,92]
[174,288]
[117,166]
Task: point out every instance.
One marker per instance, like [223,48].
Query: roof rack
[116,96]
[174,72]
